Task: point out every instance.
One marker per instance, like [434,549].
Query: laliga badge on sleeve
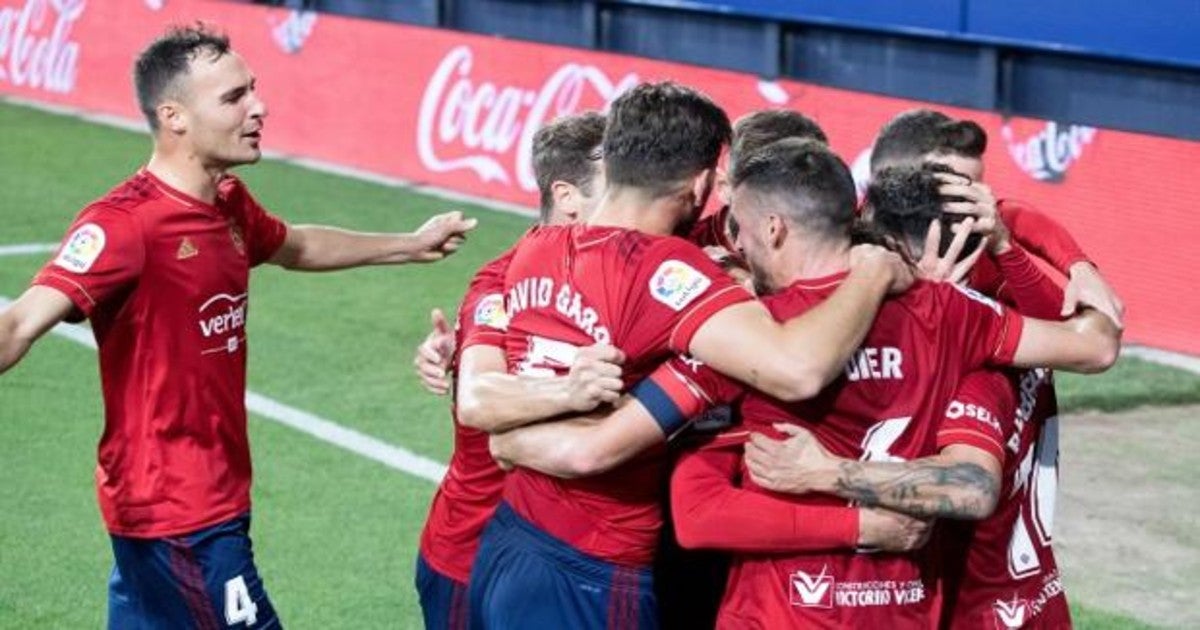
[677,283]
[489,311]
[81,248]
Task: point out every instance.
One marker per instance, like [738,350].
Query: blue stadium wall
[1113,63]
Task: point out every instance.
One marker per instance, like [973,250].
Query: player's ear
[777,230]
[566,199]
[171,117]
[702,186]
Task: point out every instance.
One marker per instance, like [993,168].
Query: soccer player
[160,265]
[1002,569]
[573,553]
[793,203]
[923,135]
[568,164]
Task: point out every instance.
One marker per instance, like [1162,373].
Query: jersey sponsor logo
[489,311]
[677,284]
[979,297]
[82,248]
[875,363]
[1010,614]
[958,409]
[186,250]
[223,319]
[823,590]
[809,591]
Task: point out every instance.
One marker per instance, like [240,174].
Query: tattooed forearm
[920,488]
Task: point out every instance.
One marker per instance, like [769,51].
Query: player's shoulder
[927,298]
[127,197]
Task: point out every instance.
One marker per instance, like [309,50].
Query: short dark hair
[813,183]
[166,58]
[904,200]
[916,133]
[661,134]
[758,129]
[567,150]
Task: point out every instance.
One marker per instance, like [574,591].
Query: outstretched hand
[442,235]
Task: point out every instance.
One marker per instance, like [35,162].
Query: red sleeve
[262,232]
[1032,292]
[677,289]
[482,318]
[102,254]
[710,511]
[987,332]
[981,413]
[710,231]
[1041,235]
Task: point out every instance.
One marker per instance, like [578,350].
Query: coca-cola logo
[1048,154]
[478,125]
[35,45]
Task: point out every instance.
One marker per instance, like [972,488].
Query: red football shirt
[163,279]
[887,406]
[574,286]
[1001,572]
[474,483]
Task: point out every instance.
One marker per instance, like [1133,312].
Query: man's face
[971,167]
[222,112]
[748,228]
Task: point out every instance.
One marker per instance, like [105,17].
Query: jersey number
[239,607]
[547,357]
[1037,477]
[881,437]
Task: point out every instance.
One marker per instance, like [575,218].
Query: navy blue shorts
[526,578]
[204,580]
[443,599]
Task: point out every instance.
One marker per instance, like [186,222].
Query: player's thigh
[224,557]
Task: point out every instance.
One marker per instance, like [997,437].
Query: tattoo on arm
[920,489]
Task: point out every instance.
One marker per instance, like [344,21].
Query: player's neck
[809,260]
[186,173]
[633,209]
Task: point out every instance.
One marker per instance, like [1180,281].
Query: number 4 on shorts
[239,608]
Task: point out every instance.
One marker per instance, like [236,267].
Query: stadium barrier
[458,111]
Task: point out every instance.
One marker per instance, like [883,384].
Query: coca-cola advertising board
[458,111]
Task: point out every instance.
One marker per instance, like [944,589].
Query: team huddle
[768,383]
[801,410]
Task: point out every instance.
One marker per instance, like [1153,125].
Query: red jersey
[473,484]
[886,407]
[163,279]
[574,286]
[1001,572]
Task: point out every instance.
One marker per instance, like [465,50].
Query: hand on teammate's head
[948,267]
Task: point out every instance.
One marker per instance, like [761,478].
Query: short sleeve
[482,318]
[677,289]
[102,254]
[981,414]
[987,331]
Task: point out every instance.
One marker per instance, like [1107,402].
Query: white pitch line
[325,430]
[25,249]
